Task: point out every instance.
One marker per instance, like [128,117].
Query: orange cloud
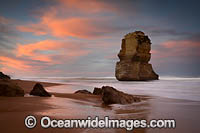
[19,66]
[29,49]
[14,63]
[4,20]
[46,50]
[75,27]
[40,57]
[65,27]
[179,48]
[91,6]
[58,22]
[37,29]
[181,43]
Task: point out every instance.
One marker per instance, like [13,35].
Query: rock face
[83,92]
[10,90]
[134,57]
[3,76]
[38,90]
[113,96]
[98,91]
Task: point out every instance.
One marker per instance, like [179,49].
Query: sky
[81,38]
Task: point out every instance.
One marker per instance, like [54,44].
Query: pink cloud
[181,43]
[179,48]
[37,29]
[46,50]
[55,22]
[90,6]
[75,27]
[18,66]
[41,57]
[4,20]
[14,63]
[64,27]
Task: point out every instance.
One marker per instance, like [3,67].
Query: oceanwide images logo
[47,122]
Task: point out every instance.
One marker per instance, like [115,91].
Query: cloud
[41,57]
[79,27]
[37,29]
[4,20]
[14,63]
[90,6]
[6,32]
[59,21]
[178,48]
[47,50]
[20,66]
[178,57]
[71,27]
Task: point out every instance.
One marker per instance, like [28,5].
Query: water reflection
[65,108]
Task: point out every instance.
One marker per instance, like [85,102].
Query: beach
[67,105]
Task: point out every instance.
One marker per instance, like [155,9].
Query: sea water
[169,87]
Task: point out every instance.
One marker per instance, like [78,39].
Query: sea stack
[134,57]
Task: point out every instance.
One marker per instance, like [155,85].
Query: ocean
[168,87]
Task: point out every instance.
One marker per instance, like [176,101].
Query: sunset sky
[81,38]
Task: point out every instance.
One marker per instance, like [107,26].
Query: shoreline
[80,106]
[18,108]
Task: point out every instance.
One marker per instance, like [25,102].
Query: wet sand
[13,111]
[185,112]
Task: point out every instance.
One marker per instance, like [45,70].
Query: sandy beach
[80,106]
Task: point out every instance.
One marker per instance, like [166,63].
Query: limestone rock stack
[134,57]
